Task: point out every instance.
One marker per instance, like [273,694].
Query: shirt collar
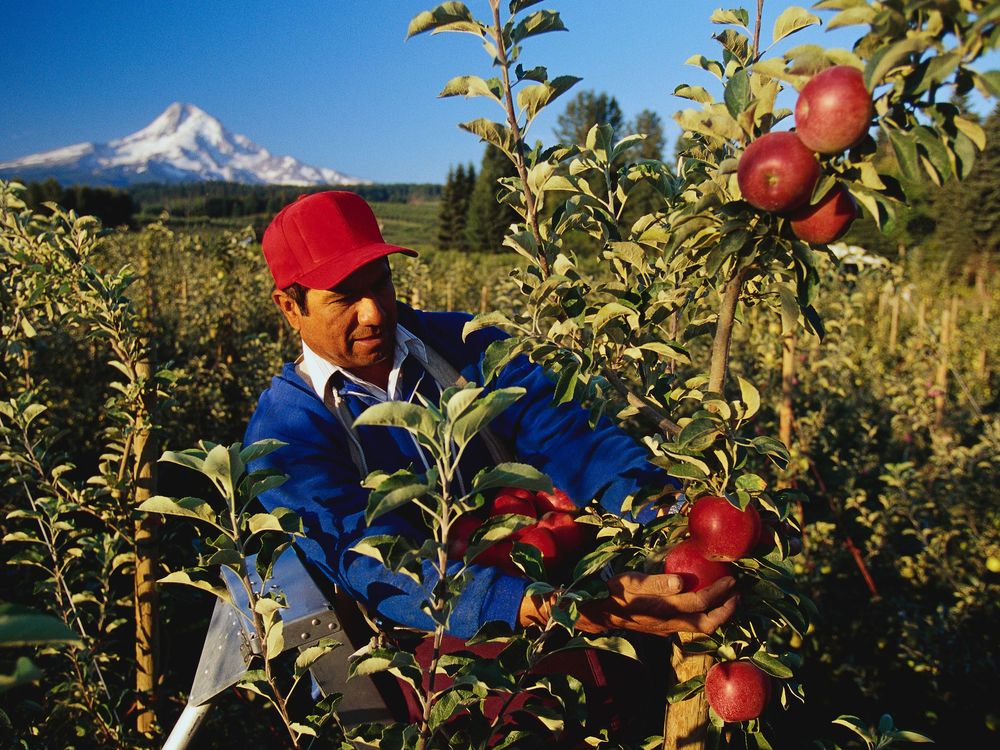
[321,370]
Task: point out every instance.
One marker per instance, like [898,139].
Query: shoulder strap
[336,406]
[446,375]
[442,372]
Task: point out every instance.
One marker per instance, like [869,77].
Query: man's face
[352,325]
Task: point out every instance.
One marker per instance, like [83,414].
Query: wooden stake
[941,381]
[981,371]
[685,723]
[146,557]
[894,323]
[786,413]
[484,299]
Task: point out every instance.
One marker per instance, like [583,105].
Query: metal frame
[230,644]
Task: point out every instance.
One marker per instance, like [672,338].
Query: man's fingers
[710,621]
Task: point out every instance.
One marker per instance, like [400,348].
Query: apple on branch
[834,110]
[777,172]
[826,221]
[737,690]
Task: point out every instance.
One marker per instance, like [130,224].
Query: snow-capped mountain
[184,144]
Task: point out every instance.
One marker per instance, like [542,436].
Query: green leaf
[497,355]
[771,665]
[988,82]
[791,20]
[491,132]
[415,419]
[694,93]
[857,16]
[516,6]
[187,507]
[738,16]
[904,145]
[512,474]
[482,412]
[737,93]
[394,492]
[686,689]
[279,519]
[471,86]
[23,626]
[935,150]
[750,483]
[750,396]
[258,449]
[199,579]
[613,310]
[539,22]
[192,458]
[533,98]
[25,672]
[698,434]
[451,16]
[908,736]
[888,57]
[275,639]
[972,131]
[218,467]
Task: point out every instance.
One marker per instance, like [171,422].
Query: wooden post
[415,297]
[941,381]
[484,300]
[981,359]
[448,296]
[921,315]
[894,323]
[685,723]
[786,413]
[146,557]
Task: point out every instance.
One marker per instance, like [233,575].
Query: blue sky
[330,82]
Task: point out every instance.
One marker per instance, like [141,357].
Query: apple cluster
[779,171]
[719,534]
[554,533]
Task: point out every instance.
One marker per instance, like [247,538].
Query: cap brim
[335,270]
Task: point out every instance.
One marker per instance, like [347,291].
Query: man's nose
[370,312]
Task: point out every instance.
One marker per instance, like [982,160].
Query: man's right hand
[646,603]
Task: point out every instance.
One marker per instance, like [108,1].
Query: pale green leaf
[791,20]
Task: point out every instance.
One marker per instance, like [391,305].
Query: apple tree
[741,222]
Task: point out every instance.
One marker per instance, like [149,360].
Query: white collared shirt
[320,370]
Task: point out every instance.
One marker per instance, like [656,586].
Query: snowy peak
[183,144]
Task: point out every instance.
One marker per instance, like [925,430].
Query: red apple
[539,538]
[570,536]
[507,503]
[826,221]
[459,534]
[777,173]
[555,500]
[722,531]
[834,110]
[695,571]
[737,690]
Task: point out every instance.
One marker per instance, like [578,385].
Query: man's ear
[289,308]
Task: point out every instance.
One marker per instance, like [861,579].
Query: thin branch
[515,129]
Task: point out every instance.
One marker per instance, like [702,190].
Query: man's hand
[645,603]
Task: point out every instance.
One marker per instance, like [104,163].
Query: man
[360,347]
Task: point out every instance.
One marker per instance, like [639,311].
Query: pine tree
[446,239]
[649,124]
[585,110]
[488,220]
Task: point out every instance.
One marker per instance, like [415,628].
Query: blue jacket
[324,484]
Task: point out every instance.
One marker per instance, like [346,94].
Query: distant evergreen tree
[586,109]
[446,213]
[962,224]
[488,220]
[649,124]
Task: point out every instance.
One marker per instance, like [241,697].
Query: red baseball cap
[322,238]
